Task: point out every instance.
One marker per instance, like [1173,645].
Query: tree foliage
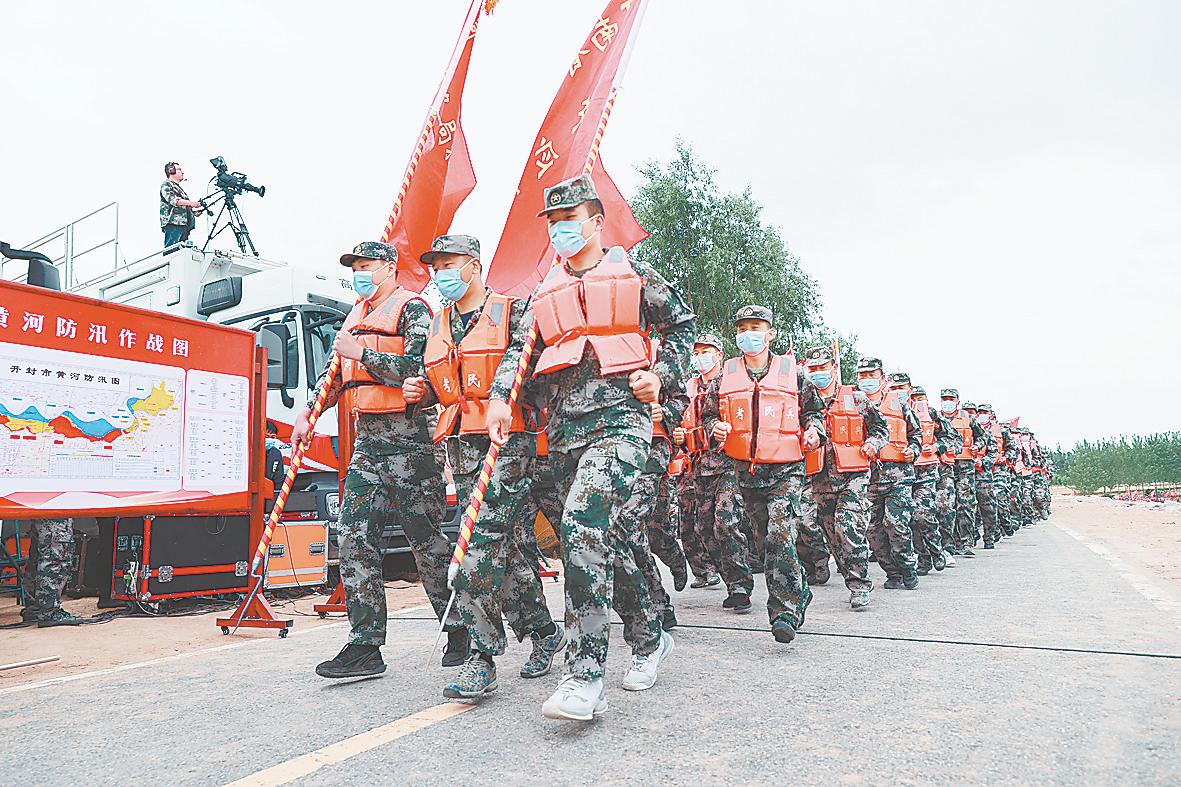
[716,249]
[1135,461]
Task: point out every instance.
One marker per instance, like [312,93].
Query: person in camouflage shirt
[891,481]
[987,499]
[965,478]
[600,435]
[499,570]
[51,551]
[771,491]
[395,472]
[929,510]
[836,512]
[177,212]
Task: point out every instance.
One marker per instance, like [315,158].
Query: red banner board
[109,409]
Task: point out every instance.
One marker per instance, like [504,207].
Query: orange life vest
[890,407]
[462,374]
[602,307]
[999,436]
[772,435]
[374,321]
[695,438]
[961,424]
[846,431]
[927,423]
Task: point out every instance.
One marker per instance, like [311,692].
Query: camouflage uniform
[1002,480]
[697,552]
[836,511]
[396,473]
[965,493]
[986,514]
[51,550]
[771,494]
[929,511]
[891,500]
[599,442]
[499,568]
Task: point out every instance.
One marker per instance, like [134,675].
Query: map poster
[106,408]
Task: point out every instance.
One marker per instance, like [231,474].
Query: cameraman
[178,213]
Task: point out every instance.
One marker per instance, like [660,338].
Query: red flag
[440,175]
[566,146]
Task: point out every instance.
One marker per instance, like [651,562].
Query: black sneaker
[910,582]
[353,661]
[59,617]
[939,562]
[990,545]
[783,631]
[30,614]
[459,644]
[668,621]
[680,575]
[737,601]
[893,583]
[924,569]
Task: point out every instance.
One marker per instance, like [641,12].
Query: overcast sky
[989,194]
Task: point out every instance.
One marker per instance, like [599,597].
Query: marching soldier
[936,440]
[998,476]
[891,481]
[595,312]
[985,453]
[971,435]
[717,501]
[836,512]
[394,467]
[1023,472]
[766,413]
[466,341]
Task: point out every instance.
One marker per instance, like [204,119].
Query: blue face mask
[751,342]
[363,283]
[821,379]
[566,237]
[869,385]
[451,284]
[272,442]
[948,406]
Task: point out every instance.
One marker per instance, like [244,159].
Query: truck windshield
[320,329]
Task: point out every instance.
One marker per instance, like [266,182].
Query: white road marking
[177,656]
[340,751]
[1149,589]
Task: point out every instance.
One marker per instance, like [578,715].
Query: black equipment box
[161,557]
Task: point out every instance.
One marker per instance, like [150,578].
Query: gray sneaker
[577,699]
[859,599]
[544,650]
[476,678]
[644,669]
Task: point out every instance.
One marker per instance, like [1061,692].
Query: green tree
[717,250]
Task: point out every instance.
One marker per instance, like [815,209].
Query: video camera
[233,183]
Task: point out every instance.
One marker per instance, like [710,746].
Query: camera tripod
[234,222]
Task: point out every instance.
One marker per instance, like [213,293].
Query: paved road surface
[843,704]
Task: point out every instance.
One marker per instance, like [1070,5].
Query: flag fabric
[439,176]
[566,146]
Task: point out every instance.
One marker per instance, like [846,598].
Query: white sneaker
[577,699]
[642,675]
[950,559]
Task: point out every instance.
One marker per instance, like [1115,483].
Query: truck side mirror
[274,336]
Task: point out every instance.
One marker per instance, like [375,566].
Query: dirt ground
[133,639]
[1144,537]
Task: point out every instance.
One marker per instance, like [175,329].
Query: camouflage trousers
[924,525]
[836,521]
[51,550]
[891,506]
[1031,506]
[720,513]
[1041,483]
[499,571]
[665,524]
[986,514]
[1002,480]
[945,506]
[641,517]
[693,538]
[391,482]
[772,501]
[1020,500]
[965,503]
[601,571]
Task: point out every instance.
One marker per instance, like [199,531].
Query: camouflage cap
[451,244]
[899,378]
[711,340]
[370,250]
[818,356]
[868,364]
[949,393]
[918,390]
[569,193]
[968,406]
[753,312]
[984,408]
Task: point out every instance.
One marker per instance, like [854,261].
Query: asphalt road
[909,691]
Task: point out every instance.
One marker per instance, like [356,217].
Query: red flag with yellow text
[566,146]
[440,175]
